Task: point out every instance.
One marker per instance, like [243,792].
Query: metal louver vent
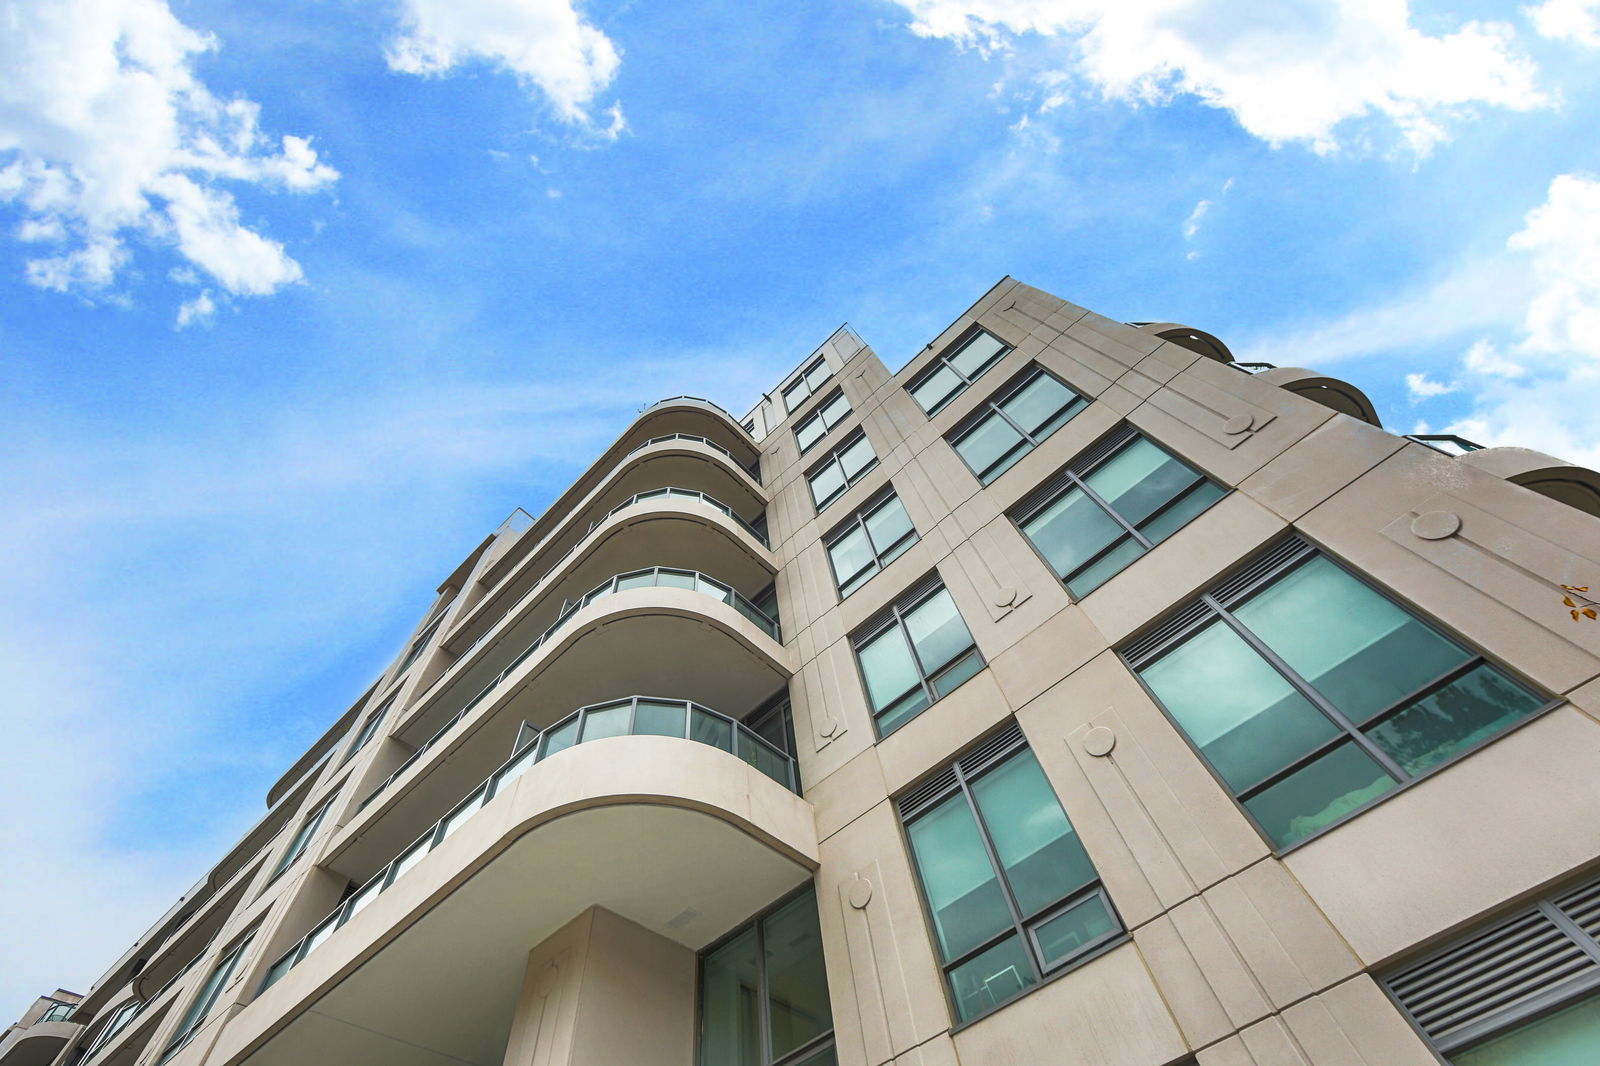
[924,795]
[1092,457]
[1156,640]
[1286,551]
[992,750]
[982,757]
[1505,974]
[924,586]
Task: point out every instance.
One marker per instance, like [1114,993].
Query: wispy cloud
[108,136]
[1288,73]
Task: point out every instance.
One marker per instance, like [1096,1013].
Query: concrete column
[605,992]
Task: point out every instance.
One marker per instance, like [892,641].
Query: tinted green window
[1569,1038]
[848,463]
[871,540]
[819,422]
[1011,893]
[953,371]
[1112,509]
[1014,423]
[921,651]
[764,992]
[1314,695]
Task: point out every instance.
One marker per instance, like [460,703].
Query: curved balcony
[678,546]
[39,1043]
[693,414]
[1576,486]
[680,460]
[679,837]
[1330,392]
[1196,340]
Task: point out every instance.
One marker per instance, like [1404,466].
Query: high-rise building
[1075,695]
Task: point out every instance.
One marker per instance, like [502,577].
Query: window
[951,373]
[814,427]
[914,653]
[1013,423]
[205,1000]
[873,538]
[420,643]
[844,466]
[1011,894]
[1311,695]
[117,1022]
[1520,992]
[809,381]
[1110,506]
[297,846]
[368,728]
[764,992]
[749,426]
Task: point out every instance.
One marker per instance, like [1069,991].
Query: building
[1075,695]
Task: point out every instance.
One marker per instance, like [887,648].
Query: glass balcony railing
[58,1013]
[633,716]
[753,469]
[654,576]
[697,399]
[1448,443]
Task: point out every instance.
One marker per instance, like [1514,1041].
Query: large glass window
[764,992]
[1111,506]
[1013,423]
[205,999]
[114,1025]
[1312,695]
[844,466]
[829,413]
[302,838]
[874,537]
[801,388]
[914,653]
[952,372]
[369,728]
[1011,893]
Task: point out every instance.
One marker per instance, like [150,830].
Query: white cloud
[1287,72]
[1485,358]
[1571,20]
[1191,225]
[198,309]
[547,44]
[107,136]
[1421,387]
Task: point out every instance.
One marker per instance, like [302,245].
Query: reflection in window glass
[921,650]
[844,467]
[873,538]
[1014,422]
[1114,510]
[817,424]
[1314,695]
[1011,892]
[952,372]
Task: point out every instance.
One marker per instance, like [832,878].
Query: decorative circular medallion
[1005,596]
[1436,525]
[1099,741]
[1237,424]
[860,893]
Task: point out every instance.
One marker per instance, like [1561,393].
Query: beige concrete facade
[412,896]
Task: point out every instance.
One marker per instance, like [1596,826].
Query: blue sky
[299,300]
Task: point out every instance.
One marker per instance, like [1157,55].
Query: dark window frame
[1073,477]
[300,843]
[802,380]
[881,559]
[832,459]
[1265,568]
[816,415]
[893,616]
[420,644]
[369,728]
[227,965]
[980,759]
[755,922]
[943,361]
[991,408]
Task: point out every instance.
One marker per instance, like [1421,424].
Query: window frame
[944,360]
[756,923]
[1074,476]
[832,459]
[1216,603]
[310,826]
[955,778]
[880,559]
[208,994]
[420,644]
[991,408]
[893,616]
[368,729]
[803,380]
[816,415]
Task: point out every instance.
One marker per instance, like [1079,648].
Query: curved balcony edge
[600,812]
[620,467]
[618,607]
[1333,393]
[619,518]
[36,1044]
